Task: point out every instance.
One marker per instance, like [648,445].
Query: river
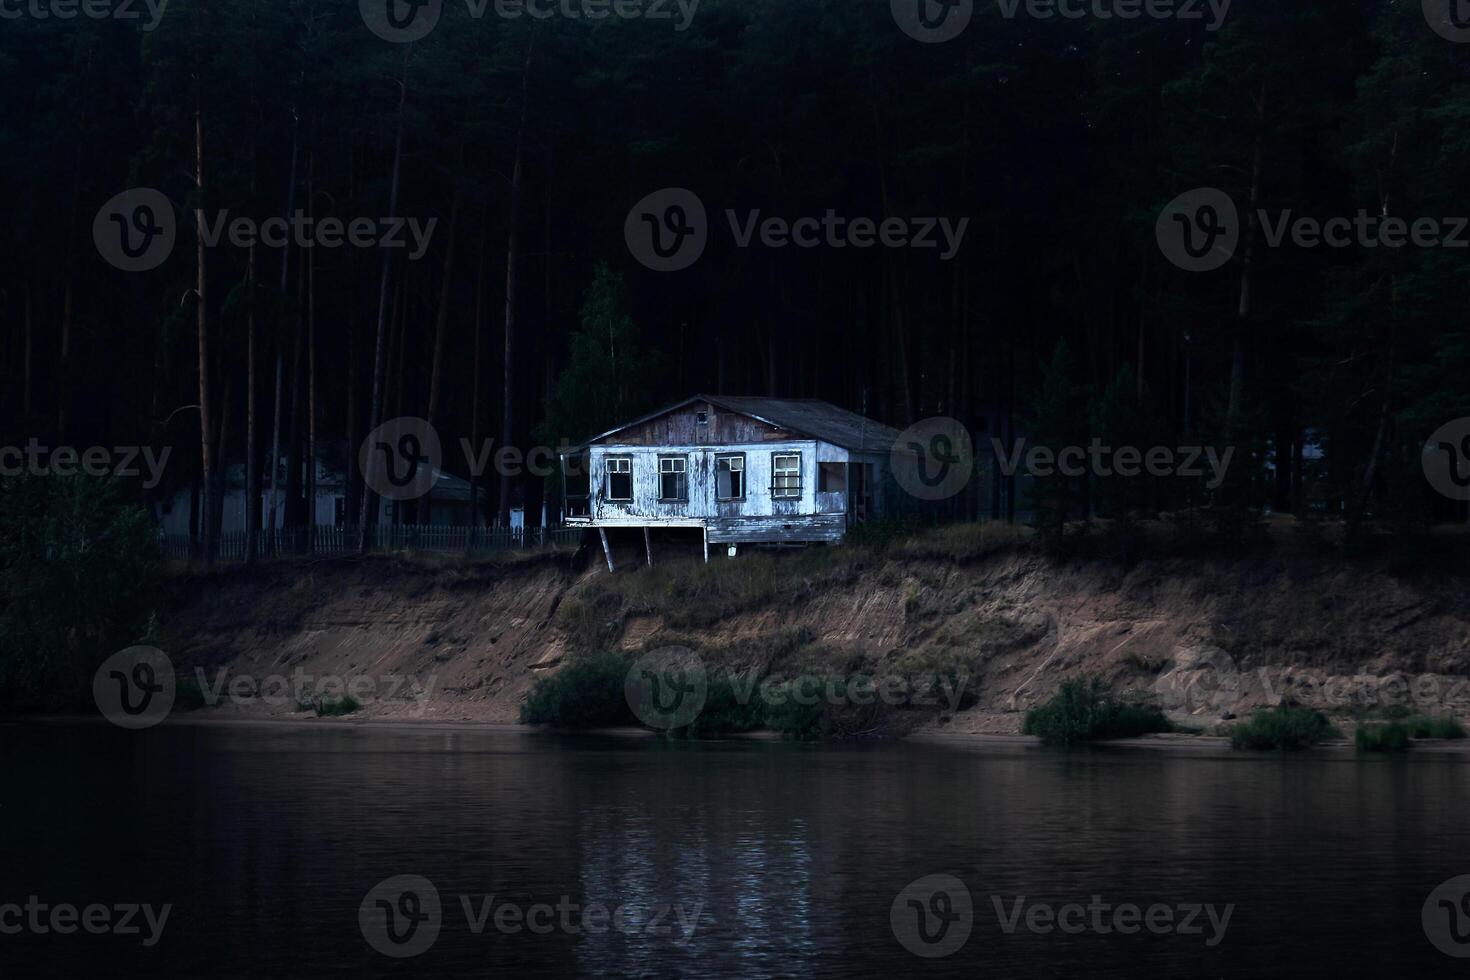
[336,850]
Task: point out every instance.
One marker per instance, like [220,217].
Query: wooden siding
[682,428]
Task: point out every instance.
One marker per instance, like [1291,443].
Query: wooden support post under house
[706,544]
[606,548]
[648,545]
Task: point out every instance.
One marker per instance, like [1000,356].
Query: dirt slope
[1211,639]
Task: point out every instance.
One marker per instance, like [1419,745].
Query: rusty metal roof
[810,417]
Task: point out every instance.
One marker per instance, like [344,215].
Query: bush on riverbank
[1423,726]
[1085,711]
[1284,728]
[1391,737]
[586,693]
[590,693]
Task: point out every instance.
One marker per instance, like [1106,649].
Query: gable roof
[809,417]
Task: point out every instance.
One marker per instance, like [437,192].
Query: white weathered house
[742,470]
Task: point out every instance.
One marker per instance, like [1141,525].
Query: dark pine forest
[528,320]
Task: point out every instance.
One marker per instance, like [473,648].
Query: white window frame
[730,458]
[682,472]
[617,464]
[789,491]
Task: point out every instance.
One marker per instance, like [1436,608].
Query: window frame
[683,474]
[743,471]
[785,493]
[607,475]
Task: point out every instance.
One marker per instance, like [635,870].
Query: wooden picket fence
[436,538]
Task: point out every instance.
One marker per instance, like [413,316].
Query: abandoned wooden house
[741,470]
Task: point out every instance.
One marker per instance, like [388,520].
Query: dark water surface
[785,858]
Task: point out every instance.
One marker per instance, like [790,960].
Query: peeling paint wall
[701,501]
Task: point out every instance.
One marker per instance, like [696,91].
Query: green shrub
[1391,737]
[724,711]
[587,693]
[790,717]
[1423,726]
[1084,711]
[80,577]
[1285,728]
[337,707]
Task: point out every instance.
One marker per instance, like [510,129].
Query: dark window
[673,478]
[701,418]
[730,477]
[832,478]
[619,478]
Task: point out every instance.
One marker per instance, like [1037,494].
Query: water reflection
[267,839]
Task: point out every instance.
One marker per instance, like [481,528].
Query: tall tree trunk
[311,373]
[441,334]
[30,326]
[512,262]
[63,387]
[221,470]
[252,450]
[354,375]
[1247,271]
[477,513]
[275,460]
[380,349]
[441,319]
[293,517]
[206,427]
